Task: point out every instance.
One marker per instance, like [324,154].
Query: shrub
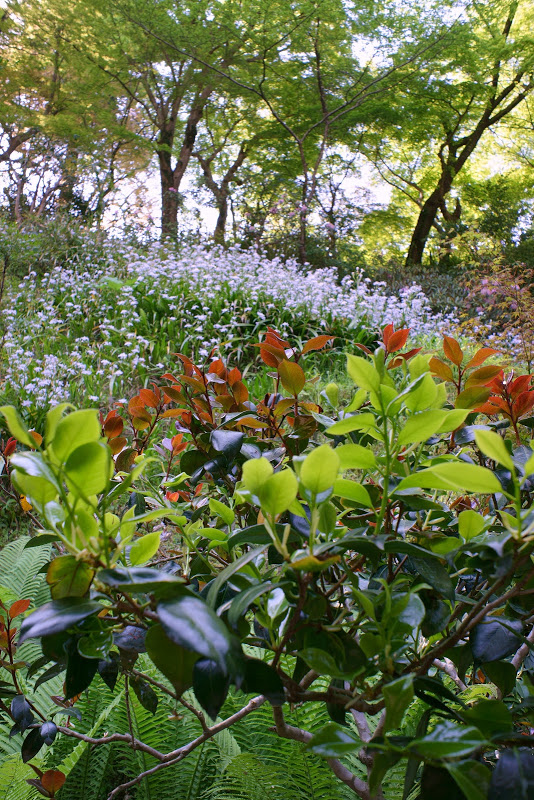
[385,573]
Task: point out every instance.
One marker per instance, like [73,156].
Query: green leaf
[354,456]
[492,639]
[191,623]
[472,777]
[319,469]
[470,524]
[356,422]
[141,579]
[57,616]
[80,670]
[228,571]
[332,742]
[433,572]
[350,490]
[175,662]
[423,395]
[292,376]
[256,471]
[491,717]
[144,693]
[210,685]
[398,695]
[260,678]
[363,373]
[448,740]
[17,427]
[420,427]
[75,430]
[88,469]
[69,577]
[52,419]
[454,476]
[96,644]
[222,511]
[493,446]
[278,492]
[241,603]
[502,673]
[145,548]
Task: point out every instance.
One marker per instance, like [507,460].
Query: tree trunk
[219,233]
[423,226]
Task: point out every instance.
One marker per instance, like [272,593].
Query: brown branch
[285,731]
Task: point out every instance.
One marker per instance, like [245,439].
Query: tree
[486,73]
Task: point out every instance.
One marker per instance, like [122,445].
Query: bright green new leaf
[145,548]
[222,511]
[453,476]
[358,422]
[424,395]
[493,446]
[420,427]
[74,430]
[350,490]
[87,469]
[278,492]
[470,524]
[319,469]
[255,472]
[363,373]
[354,456]
[16,426]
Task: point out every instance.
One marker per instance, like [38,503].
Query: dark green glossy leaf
[48,732]
[448,740]
[492,640]
[433,572]
[398,694]
[145,580]
[31,745]
[21,714]
[332,742]
[261,678]
[241,603]
[51,672]
[513,777]
[80,671]
[502,673]
[227,442]
[175,662]
[210,685]
[255,534]
[131,638]
[145,694]
[191,623]
[489,716]
[108,669]
[57,616]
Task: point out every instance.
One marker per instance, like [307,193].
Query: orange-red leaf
[113,427]
[482,376]
[397,340]
[452,350]
[118,444]
[240,392]
[317,343]
[440,369]
[19,607]
[148,397]
[37,438]
[52,780]
[480,356]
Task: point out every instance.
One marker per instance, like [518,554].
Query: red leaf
[11,446]
[317,343]
[149,398]
[480,356]
[386,334]
[53,780]
[441,369]
[452,350]
[397,340]
[113,427]
[19,607]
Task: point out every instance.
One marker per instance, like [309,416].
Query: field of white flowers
[90,332]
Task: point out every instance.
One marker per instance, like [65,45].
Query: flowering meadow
[90,327]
